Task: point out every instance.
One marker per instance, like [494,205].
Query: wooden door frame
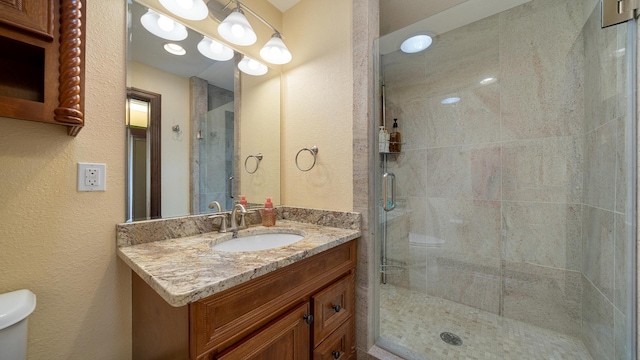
[155,122]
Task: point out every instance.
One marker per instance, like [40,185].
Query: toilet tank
[15,307]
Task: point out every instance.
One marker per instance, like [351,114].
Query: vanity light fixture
[174,49]
[163,26]
[252,67]
[236,29]
[450,100]
[214,49]
[187,9]
[416,43]
[275,51]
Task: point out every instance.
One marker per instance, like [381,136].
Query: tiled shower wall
[513,198]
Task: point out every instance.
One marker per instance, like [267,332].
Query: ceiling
[283,5]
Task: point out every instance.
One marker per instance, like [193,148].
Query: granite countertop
[186,269]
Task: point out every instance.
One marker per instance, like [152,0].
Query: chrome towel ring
[314,151]
[258,157]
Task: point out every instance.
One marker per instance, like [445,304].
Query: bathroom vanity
[293,302]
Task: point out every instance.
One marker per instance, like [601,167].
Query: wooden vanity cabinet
[302,311]
[42,61]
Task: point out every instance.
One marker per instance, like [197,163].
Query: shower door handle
[386,205]
[230,187]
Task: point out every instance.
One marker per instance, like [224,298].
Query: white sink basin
[257,242]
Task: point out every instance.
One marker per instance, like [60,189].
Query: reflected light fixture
[252,67]
[275,51]
[174,49]
[163,26]
[187,9]
[487,81]
[416,43]
[214,49]
[236,29]
[450,100]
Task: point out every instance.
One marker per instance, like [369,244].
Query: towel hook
[314,151]
[258,158]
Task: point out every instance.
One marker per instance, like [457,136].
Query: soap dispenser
[268,214]
[243,201]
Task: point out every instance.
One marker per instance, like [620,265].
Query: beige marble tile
[598,248]
[544,297]
[623,149]
[475,119]
[605,72]
[418,267]
[464,172]
[621,337]
[410,168]
[412,120]
[418,221]
[468,227]
[597,323]
[548,169]
[459,59]
[470,281]
[600,167]
[621,271]
[550,102]
[546,234]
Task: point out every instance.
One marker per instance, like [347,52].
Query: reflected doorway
[143,121]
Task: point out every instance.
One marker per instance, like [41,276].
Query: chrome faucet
[234,221]
[215,204]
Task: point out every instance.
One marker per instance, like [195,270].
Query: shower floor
[414,321]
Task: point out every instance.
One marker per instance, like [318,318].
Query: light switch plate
[92,177]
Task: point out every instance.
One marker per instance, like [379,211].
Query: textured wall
[56,241]
[317,108]
[175,147]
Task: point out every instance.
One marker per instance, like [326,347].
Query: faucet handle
[223,221]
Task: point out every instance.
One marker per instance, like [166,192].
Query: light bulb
[275,53]
[216,47]
[165,23]
[237,30]
[185,4]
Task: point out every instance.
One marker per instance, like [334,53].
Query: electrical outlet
[92,177]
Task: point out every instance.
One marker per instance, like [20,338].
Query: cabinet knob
[337,308]
[335,354]
[308,318]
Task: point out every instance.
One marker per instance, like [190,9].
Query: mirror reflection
[203,138]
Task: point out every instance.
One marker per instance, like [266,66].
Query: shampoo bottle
[381,139]
[268,214]
[395,139]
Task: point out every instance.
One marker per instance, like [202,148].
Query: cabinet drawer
[222,319]
[287,338]
[332,307]
[339,345]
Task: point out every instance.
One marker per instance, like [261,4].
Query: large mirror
[198,130]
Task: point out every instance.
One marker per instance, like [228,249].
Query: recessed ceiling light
[175,49]
[487,81]
[416,43]
[450,100]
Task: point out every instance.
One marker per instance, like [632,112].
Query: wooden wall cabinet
[42,61]
[303,311]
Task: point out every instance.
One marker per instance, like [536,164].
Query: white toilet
[15,307]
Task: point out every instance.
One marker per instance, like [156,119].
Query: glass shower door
[514,222]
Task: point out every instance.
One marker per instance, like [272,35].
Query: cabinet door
[338,345]
[286,338]
[332,307]
[34,16]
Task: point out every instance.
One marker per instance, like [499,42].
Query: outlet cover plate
[92,177]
